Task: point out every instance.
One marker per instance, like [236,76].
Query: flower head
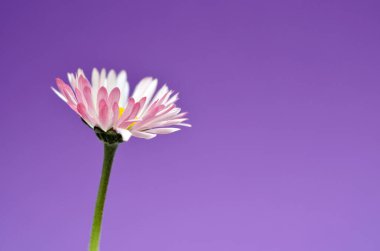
[105,106]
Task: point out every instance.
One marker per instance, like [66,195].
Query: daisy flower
[105,106]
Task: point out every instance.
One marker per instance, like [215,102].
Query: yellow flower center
[121,111]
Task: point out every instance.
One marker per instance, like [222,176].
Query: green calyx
[110,137]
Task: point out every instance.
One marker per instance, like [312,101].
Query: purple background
[284,150]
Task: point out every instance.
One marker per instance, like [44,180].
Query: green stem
[109,153]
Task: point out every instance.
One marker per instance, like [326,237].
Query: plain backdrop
[284,150]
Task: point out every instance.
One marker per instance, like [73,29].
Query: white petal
[172,99]
[121,78]
[95,78]
[184,124]
[111,80]
[143,135]
[166,98]
[168,122]
[163,90]
[166,130]
[59,94]
[121,82]
[124,133]
[70,76]
[145,88]
[102,78]
[161,119]
[72,80]
[80,72]
[166,114]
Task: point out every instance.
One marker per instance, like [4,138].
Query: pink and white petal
[68,94]
[143,135]
[59,94]
[81,108]
[114,96]
[152,107]
[167,109]
[104,115]
[164,98]
[61,85]
[83,82]
[142,102]
[74,108]
[126,122]
[134,111]
[132,120]
[156,99]
[163,90]
[79,96]
[115,113]
[165,130]
[181,115]
[124,133]
[84,114]
[151,113]
[124,116]
[148,122]
[102,94]
[88,97]
[173,99]
[66,91]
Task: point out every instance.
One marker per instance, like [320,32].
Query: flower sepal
[110,137]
